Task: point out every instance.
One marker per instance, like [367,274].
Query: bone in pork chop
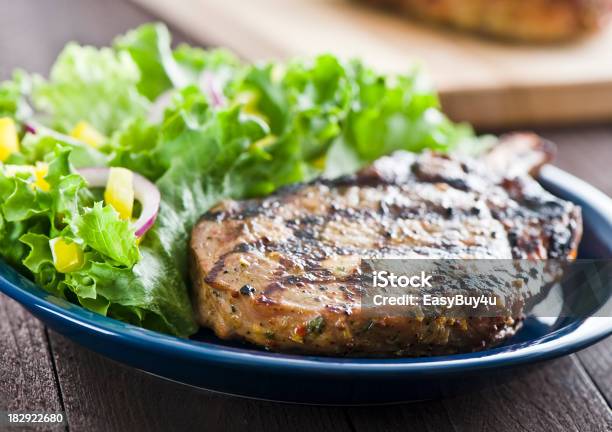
[273,271]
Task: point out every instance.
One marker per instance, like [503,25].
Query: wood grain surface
[485,82]
[27,371]
[43,371]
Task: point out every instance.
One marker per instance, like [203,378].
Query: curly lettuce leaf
[24,202]
[397,113]
[10,249]
[94,85]
[149,47]
[348,111]
[40,252]
[101,228]
[132,147]
[162,69]
[154,293]
[151,294]
[35,147]
[220,62]
[39,261]
[13,97]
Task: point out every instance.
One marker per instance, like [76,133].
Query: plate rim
[565,340]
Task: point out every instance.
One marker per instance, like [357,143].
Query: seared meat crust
[524,20]
[280,272]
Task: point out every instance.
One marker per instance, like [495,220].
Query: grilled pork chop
[275,271]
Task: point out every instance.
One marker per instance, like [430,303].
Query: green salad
[106,165]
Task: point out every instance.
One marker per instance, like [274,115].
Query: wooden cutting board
[488,83]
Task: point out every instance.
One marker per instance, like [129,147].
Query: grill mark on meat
[388,211]
[211,277]
[307,230]
[306,242]
[296,250]
[219,265]
[320,277]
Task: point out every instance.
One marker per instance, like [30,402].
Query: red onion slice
[210,86]
[144,191]
[34,128]
[30,128]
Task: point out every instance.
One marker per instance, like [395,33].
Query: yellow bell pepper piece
[119,191]
[85,132]
[67,257]
[9,140]
[37,173]
[40,172]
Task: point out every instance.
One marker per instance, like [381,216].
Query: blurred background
[554,78]
[33,32]
[496,63]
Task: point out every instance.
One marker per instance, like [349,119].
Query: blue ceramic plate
[243,370]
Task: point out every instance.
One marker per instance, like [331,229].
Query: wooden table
[43,371]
